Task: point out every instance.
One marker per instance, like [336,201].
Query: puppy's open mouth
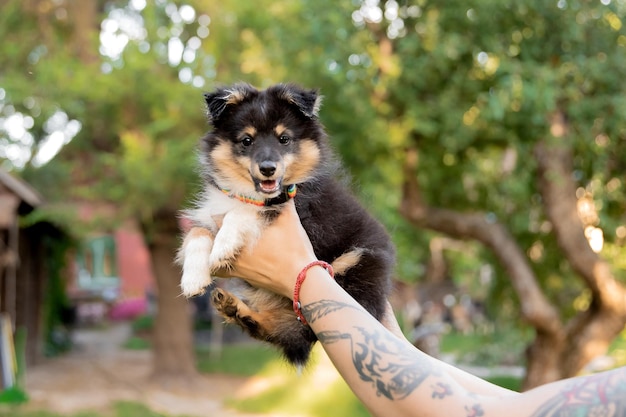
[268,186]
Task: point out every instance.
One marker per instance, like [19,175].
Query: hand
[279,255]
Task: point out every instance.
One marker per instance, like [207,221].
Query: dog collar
[288,193]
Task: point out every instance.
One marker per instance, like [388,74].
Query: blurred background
[489,136]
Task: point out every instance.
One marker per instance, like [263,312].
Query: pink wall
[133,262]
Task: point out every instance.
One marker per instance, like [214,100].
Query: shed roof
[21,188]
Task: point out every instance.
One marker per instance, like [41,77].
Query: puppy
[265,148]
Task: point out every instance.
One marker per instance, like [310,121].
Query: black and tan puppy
[265,148]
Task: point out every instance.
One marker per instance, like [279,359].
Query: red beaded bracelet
[300,280]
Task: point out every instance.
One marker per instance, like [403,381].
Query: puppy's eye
[247,140]
[284,139]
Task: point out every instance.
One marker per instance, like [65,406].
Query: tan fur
[197,232]
[235,96]
[270,312]
[281,129]
[231,167]
[248,131]
[347,261]
[299,168]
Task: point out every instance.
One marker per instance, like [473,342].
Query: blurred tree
[506,118]
[515,107]
[100,71]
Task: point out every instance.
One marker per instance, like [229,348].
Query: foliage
[143,323]
[56,303]
[16,394]
[138,124]
[501,347]
[473,93]
[508,382]
[13,395]
[137,343]
[617,351]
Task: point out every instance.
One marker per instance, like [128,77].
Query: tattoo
[319,309]
[379,357]
[441,390]
[333,336]
[475,411]
[601,395]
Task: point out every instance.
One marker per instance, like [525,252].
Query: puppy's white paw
[225,250]
[196,266]
[239,228]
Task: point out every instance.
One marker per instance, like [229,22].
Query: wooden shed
[23,276]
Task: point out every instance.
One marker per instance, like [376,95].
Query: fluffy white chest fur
[206,247]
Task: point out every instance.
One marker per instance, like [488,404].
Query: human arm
[388,374]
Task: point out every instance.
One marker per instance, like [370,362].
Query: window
[97,266]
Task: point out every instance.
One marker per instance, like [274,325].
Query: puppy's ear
[218,100]
[307,101]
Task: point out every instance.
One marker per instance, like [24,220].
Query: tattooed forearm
[600,395]
[382,359]
[385,361]
[319,309]
[378,356]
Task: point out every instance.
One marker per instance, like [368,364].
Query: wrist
[290,274]
[301,277]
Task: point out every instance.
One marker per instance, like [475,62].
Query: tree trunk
[558,351]
[535,307]
[83,15]
[174,357]
[591,331]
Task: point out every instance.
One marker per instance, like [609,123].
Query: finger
[390,322]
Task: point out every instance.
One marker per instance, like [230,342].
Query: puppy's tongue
[269,186]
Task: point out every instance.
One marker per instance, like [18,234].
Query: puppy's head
[263,141]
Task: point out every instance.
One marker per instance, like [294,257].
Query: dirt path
[99,373]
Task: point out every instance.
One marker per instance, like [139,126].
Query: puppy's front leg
[194,257]
[240,227]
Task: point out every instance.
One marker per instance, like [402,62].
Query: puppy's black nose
[267,168]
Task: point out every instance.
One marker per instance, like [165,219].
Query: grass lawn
[120,409]
[312,393]
[243,360]
[319,388]
[488,350]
